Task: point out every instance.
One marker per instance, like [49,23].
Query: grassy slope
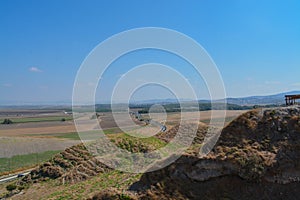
[24,161]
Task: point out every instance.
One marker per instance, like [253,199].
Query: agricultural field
[19,162]
[33,136]
[36,135]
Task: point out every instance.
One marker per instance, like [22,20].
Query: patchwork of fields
[35,136]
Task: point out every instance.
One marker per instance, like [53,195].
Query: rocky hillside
[257,156]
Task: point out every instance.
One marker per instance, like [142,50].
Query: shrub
[11,187]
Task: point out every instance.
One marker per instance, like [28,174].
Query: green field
[39,119]
[75,136]
[24,161]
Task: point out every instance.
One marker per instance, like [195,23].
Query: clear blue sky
[255,44]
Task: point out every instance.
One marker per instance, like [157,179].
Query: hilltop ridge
[256,156]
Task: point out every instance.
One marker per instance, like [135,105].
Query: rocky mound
[72,165]
[257,156]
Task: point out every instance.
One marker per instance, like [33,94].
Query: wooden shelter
[291,99]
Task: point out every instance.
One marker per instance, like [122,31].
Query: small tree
[7,121]
[63,119]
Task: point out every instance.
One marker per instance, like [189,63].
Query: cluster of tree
[268,106]
[185,106]
[176,107]
[7,121]
[103,107]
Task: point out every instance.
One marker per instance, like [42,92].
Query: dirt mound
[256,156]
[72,165]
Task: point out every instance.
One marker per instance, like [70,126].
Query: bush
[63,119]
[11,187]
[7,121]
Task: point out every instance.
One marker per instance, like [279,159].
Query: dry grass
[11,146]
[36,128]
[205,116]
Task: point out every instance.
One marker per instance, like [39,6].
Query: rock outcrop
[256,156]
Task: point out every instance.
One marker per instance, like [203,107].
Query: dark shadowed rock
[256,157]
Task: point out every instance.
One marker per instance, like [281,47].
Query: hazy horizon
[160,100]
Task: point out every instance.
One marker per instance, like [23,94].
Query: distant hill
[261,100]
[276,99]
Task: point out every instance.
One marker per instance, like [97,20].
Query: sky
[254,44]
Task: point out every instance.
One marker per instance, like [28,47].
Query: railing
[291,99]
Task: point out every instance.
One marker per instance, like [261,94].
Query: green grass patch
[39,119]
[75,136]
[112,131]
[134,144]
[70,136]
[24,161]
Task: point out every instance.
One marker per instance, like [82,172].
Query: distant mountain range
[261,100]
[277,99]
